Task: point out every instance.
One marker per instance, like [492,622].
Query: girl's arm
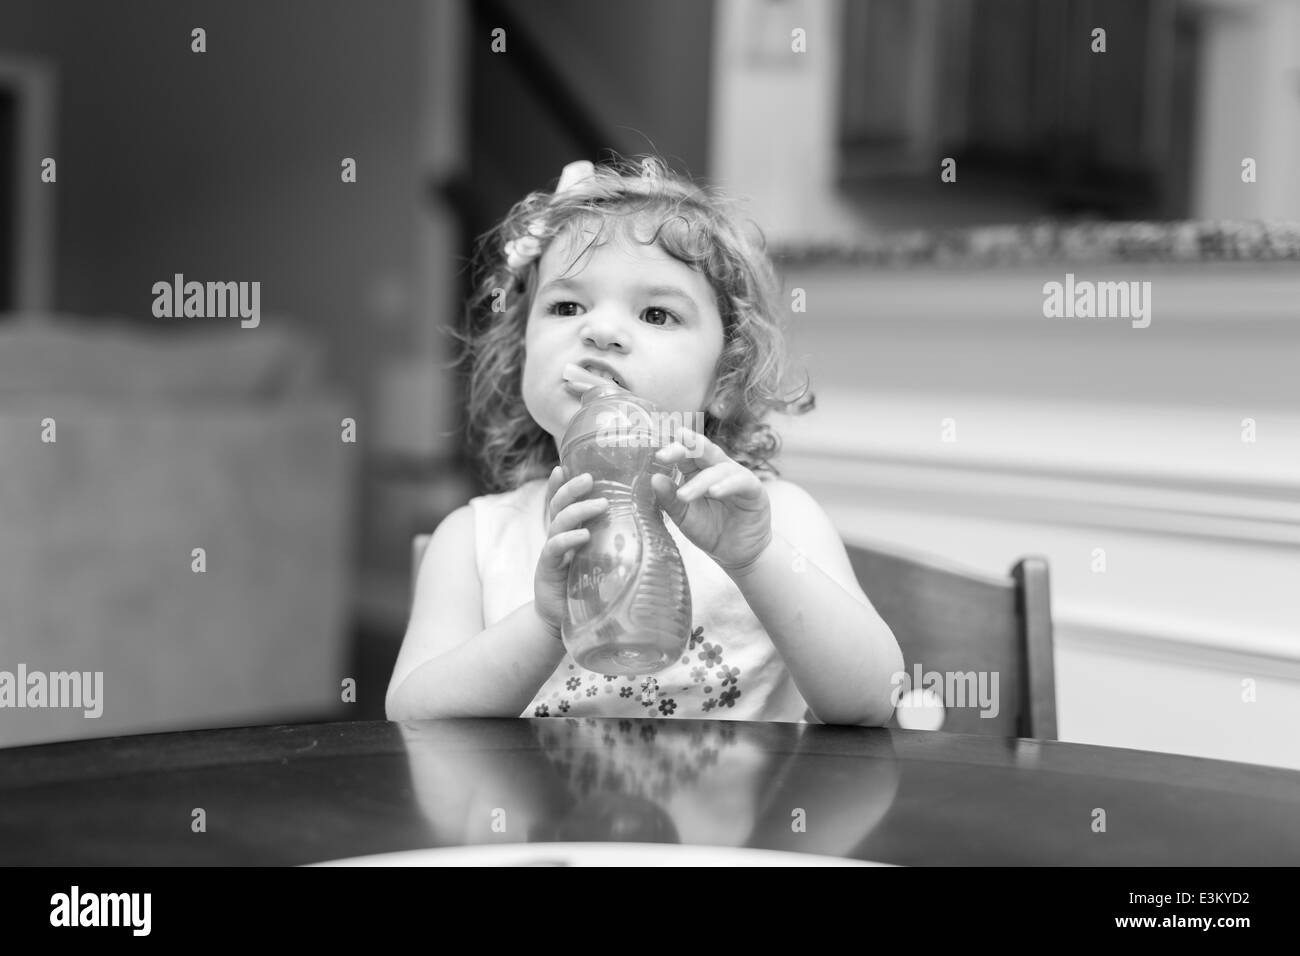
[449,664]
[840,652]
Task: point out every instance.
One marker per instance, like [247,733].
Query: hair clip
[523,250]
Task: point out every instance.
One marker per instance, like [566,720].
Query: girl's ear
[718,402]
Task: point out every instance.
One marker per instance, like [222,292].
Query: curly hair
[700,228]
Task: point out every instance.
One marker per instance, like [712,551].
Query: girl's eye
[653,315]
[655,310]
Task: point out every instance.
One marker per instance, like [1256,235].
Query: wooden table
[319,792]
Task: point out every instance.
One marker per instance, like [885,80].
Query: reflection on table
[721,783]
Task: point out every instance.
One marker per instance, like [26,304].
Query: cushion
[114,358]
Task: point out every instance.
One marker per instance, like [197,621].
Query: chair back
[964,627]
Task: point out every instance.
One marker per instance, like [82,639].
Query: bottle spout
[581,381]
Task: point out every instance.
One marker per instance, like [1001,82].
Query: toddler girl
[629,273]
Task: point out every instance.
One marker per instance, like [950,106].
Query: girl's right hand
[568,511]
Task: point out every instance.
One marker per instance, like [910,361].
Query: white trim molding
[1198,535]
[1164,470]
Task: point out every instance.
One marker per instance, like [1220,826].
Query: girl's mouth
[578,379]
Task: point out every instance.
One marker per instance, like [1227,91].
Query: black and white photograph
[651,433]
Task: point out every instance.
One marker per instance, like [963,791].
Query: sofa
[226,440]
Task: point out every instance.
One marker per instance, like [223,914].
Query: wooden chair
[954,621]
[951,620]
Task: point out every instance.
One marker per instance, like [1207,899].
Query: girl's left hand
[721,507]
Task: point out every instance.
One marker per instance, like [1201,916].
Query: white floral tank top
[729,669]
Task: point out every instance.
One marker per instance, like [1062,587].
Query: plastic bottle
[629,602]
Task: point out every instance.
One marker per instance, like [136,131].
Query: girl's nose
[604,331]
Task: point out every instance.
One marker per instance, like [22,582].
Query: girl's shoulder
[792,506]
[784,489]
[528,491]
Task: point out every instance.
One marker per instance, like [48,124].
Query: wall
[1072,435]
[643,67]
[225,165]
[642,72]
[775,128]
[773,132]
[1250,107]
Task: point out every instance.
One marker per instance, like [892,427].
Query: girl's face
[633,308]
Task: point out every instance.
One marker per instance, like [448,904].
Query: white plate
[594,854]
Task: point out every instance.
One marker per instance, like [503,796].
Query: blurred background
[1120,454]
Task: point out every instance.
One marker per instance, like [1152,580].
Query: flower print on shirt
[649,691]
[697,684]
